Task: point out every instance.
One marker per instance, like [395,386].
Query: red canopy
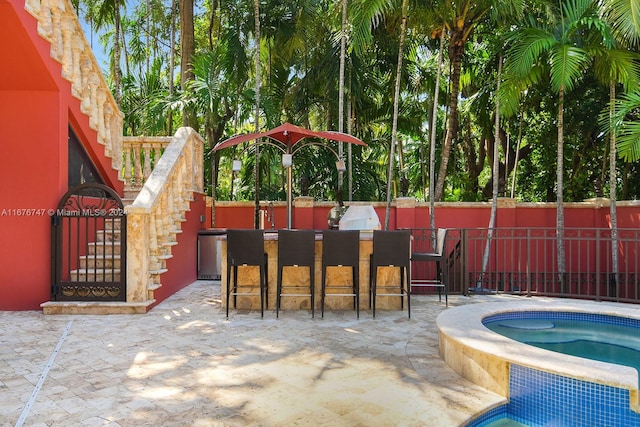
[288,135]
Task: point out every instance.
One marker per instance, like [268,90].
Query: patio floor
[185,364]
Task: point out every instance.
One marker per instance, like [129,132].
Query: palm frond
[366,16]
[628,142]
[624,17]
[625,124]
[620,66]
[527,49]
[567,65]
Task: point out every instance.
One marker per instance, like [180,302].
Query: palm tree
[624,18]
[460,18]
[104,13]
[396,103]
[556,47]
[187,52]
[617,66]
[143,102]
[219,76]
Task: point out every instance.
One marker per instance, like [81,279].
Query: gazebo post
[289,201]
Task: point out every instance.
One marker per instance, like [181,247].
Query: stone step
[104,248]
[95,275]
[106,261]
[108,235]
[112,225]
[95,307]
[130,195]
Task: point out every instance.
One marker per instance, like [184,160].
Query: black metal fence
[525,261]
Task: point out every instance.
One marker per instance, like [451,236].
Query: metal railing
[524,261]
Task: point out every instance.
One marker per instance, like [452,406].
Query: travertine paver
[185,364]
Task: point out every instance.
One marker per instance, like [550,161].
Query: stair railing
[59,25]
[140,156]
[155,217]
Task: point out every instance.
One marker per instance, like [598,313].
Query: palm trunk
[343,43]
[148,36]
[496,179]
[396,102]
[432,145]
[187,50]
[256,167]
[515,162]
[172,60]
[559,192]
[612,189]
[456,48]
[117,73]
[350,147]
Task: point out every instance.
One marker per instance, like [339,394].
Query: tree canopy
[567,56]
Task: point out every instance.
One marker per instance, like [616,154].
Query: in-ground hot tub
[541,386]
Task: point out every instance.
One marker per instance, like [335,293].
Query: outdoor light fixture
[237,165]
[287,160]
[340,166]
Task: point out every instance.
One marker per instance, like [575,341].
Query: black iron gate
[88,254]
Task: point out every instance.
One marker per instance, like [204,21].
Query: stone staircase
[161,175]
[102,263]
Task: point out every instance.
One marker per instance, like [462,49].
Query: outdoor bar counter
[343,275]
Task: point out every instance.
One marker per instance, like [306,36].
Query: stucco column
[506,214]
[601,212]
[405,212]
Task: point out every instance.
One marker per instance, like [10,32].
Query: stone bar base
[300,275]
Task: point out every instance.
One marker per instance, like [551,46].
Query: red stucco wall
[30,187]
[183,266]
[36,108]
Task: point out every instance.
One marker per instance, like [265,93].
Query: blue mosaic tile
[542,398]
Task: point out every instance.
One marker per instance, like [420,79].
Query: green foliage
[627,119]
[595,43]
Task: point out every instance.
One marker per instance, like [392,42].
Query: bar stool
[341,249]
[391,249]
[246,248]
[438,257]
[296,248]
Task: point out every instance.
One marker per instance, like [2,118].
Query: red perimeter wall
[411,214]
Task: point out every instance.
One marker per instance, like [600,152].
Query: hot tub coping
[484,357]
